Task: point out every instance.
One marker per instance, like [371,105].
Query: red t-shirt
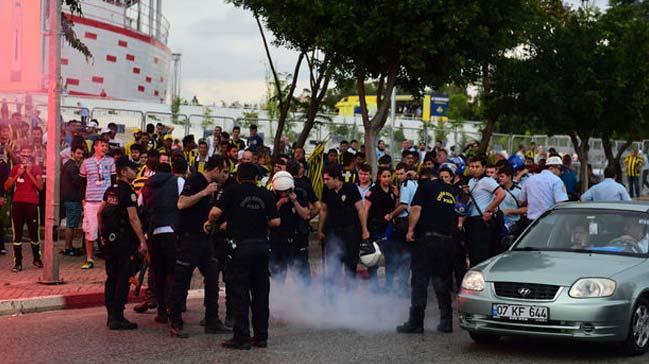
[24,190]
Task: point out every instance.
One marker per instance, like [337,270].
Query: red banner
[20,45]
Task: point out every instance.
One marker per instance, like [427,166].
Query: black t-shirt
[288,217]
[304,191]
[247,208]
[341,212]
[382,204]
[191,220]
[437,207]
[122,195]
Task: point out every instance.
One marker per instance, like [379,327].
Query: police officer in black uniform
[343,224]
[121,233]
[250,211]
[195,250]
[305,193]
[431,224]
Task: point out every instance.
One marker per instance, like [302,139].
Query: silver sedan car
[581,271]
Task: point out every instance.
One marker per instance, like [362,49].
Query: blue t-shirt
[569,178]
[482,191]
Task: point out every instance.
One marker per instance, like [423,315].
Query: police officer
[608,189]
[121,231]
[292,210]
[544,190]
[160,197]
[430,229]
[250,211]
[194,247]
[343,224]
[305,193]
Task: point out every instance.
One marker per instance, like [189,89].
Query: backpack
[114,221]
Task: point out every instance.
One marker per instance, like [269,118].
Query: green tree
[208,119]
[67,28]
[175,110]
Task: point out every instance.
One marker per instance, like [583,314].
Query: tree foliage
[67,28]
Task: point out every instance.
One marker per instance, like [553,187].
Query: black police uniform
[283,243]
[300,251]
[119,253]
[342,231]
[383,203]
[195,250]
[432,254]
[219,239]
[248,209]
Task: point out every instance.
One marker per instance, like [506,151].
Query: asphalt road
[79,336]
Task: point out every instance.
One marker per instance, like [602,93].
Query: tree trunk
[487,132]
[614,160]
[285,106]
[582,148]
[314,105]
[373,127]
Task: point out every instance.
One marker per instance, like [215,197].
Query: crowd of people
[226,205]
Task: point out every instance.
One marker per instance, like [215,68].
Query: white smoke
[338,303]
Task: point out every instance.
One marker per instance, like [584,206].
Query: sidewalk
[21,292]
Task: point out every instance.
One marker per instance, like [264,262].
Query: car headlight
[592,288]
[473,281]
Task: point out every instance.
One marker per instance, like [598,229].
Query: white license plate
[520,312]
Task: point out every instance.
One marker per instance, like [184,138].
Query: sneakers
[176,330]
[258,343]
[38,263]
[233,344]
[410,328]
[122,324]
[217,328]
[89,264]
[17,268]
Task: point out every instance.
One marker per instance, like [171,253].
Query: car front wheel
[637,341]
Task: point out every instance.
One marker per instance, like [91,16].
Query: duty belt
[246,243]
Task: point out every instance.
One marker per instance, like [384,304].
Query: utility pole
[51,264]
[393,110]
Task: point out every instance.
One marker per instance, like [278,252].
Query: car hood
[557,268]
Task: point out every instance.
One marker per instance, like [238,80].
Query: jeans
[634,186]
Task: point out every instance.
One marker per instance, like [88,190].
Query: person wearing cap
[167,143]
[608,189]
[91,132]
[122,237]
[250,211]
[544,190]
[137,135]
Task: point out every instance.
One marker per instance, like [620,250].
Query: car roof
[637,206]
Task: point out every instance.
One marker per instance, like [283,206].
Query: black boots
[445,320]
[117,321]
[415,323]
[36,253]
[18,258]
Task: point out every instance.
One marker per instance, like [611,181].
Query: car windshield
[589,231]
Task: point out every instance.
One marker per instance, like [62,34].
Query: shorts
[72,214]
[90,223]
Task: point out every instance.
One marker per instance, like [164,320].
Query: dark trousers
[645,173]
[118,271]
[163,261]
[342,248]
[478,236]
[195,250]
[289,253]
[219,240]
[634,186]
[21,214]
[250,284]
[432,261]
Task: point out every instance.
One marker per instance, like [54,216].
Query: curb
[66,302]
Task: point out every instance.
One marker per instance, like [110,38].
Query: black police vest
[160,200]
